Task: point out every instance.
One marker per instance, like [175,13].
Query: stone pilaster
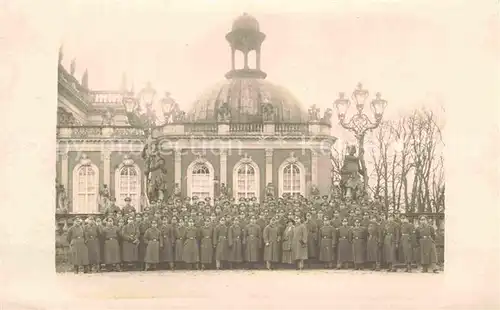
[269,166]
[106,165]
[64,170]
[223,166]
[178,167]
[314,167]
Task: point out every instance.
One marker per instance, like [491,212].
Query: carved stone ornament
[223,112]
[246,159]
[84,160]
[292,159]
[313,113]
[127,160]
[327,117]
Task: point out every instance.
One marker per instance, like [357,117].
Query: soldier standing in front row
[110,234]
[426,235]
[271,236]
[92,234]
[405,242]
[191,252]
[252,240]
[78,248]
[373,245]
[327,236]
[154,242]
[235,238]
[206,245]
[358,244]
[299,243]
[344,248]
[221,246]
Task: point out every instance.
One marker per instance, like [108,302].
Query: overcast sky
[407,52]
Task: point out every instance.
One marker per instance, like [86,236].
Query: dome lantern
[245,37]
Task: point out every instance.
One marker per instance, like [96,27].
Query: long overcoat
[344,246]
[312,239]
[143,226]
[426,236]
[130,234]
[220,239]
[271,243]
[206,245]
[253,241]
[180,235]
[92,235]
[191,251]
[373,242]
[327,234]
[358,244]
[235,238]
[286,245]
[391,240]
[299,242]
[110,235]
[167,251]
[152,239]
[406,244]
[79,255]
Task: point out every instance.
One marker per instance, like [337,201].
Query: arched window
[292,177]
[246,186]
[128,183]
[85,187]
[200,176]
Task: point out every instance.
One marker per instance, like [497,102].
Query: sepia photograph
[215,159]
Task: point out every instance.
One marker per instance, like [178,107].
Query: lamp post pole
[140,115]
[360,123]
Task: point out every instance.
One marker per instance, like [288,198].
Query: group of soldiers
[287,232]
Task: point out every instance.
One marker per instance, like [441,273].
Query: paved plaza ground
[281,289]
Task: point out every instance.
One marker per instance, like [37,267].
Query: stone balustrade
[189,129]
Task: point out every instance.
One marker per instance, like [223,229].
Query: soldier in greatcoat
[191,251]
[405,242]
[252,241]
[154,242]
[110,234]
[128,209]
[299,243]
[373,242]
[358,244]
[235,238]
[312,238]
[206,244]
[390,243]
[130,242]
[426,236]
[143,225]
[92,235]
[344,247]
[180,235]
[221,245]
[167,251]
[327,236]
[440,246]
[78,249]
[286,245]
[271,236]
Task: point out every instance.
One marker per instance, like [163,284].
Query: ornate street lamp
[360,123]
[141,115]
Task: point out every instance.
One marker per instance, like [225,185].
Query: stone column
[178,167]
[64,170]
[314,168]
[223,166]
[269,166]
[106,163]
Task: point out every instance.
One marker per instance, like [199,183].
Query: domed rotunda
[245,137]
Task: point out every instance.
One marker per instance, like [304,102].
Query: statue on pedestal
[104,198]
[223,112]
[313,113]
[62,200]
[270,190]
[314,191]
[225,192]
[177,190]
[268,112]
[350,180]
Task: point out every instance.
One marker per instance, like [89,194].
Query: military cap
[254,198]
[195,197]
[201,202]
[207,198]
[112,199]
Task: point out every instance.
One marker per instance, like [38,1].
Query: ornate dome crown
[246,96]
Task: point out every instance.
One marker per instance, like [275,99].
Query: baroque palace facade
[243,134]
